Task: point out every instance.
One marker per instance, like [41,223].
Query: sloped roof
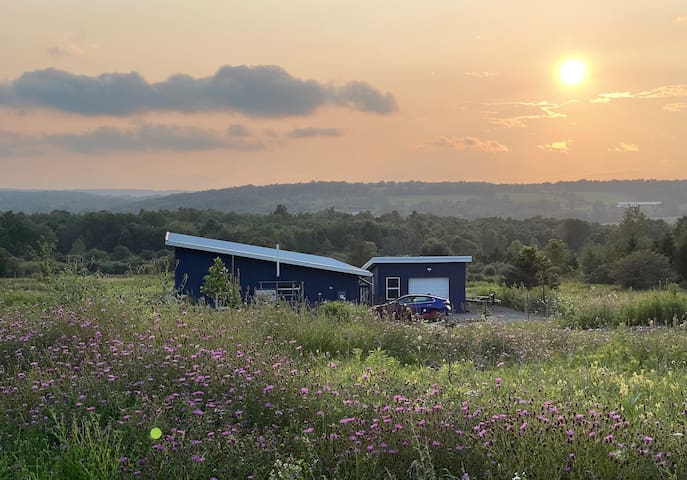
[424,259]
[262,253]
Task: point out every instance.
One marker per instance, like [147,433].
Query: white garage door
[433,286]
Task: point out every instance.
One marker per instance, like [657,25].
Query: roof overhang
[262,253]
[422,259]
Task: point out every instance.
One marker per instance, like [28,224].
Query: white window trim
[398,289]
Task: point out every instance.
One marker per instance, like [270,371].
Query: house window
[393,287]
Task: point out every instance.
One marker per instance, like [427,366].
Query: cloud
[681,20]
[624,147]
[262,91]
[237,130]
[666,91]
[522,113]
[309,132]
[675,107]
[147,137]
[69,47]
[561,146]
[465,143]
[480,75]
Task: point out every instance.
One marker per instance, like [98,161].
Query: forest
[638,252]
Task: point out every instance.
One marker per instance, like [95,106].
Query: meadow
[90,367]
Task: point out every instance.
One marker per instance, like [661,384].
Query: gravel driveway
[498,313]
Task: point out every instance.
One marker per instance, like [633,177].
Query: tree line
[637,252]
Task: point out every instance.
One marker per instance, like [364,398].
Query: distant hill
[76,201]
[588,200]
[584,199]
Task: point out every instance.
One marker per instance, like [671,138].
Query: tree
[642,269]
[9,265]
[434,246]
[281,210]
[220,286]
[361,252]
[632,231]
[530,268]
[574,232]
[78,247]
[558,254]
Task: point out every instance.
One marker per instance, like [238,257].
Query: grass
[268,392]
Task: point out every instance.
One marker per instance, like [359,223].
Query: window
[393,287]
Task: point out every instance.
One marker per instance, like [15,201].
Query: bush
[341,311]
[642,270]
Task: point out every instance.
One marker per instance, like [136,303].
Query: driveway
[497,313]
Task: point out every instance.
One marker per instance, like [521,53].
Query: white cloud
[624,147]
[522,112]
[561,146]
[675,107]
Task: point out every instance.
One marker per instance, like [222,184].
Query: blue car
[429,307]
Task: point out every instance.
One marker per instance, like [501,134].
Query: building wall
[455,272]
[318,285]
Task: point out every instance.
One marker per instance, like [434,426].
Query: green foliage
[256,393]
[220,286]
[44,255]
[89,450]
[342,311]
[642,269]
[531,268]
[594,308]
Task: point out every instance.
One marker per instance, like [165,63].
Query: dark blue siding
[318,285]
[455,272]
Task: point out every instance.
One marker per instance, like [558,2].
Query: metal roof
[262,253]
[425,259]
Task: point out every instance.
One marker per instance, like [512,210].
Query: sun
[572,72]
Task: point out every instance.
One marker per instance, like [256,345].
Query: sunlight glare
[572,72]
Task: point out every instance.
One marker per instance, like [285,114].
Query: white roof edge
[290,261]
[420,259]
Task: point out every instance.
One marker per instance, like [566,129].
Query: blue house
[267,272]
[443,276]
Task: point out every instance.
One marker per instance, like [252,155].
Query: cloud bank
[309,132]
[147,137]
[261,91]
[465,143]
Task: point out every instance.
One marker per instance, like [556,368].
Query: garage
[440,275]
[432,286]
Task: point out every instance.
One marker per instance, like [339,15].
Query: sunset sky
[171,94]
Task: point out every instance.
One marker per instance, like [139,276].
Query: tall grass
[594,310]
[271,392]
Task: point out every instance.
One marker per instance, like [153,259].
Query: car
[428,307]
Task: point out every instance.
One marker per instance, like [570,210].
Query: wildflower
[309,430]
[304,390]
[647,439]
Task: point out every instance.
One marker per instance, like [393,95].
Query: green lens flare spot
[155,433]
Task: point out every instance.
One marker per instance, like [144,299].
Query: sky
[194,95]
